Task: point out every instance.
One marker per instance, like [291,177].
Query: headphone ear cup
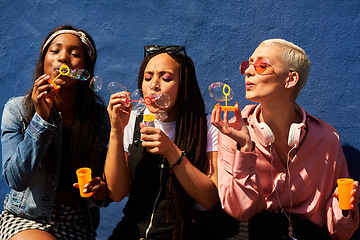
[264,134]
[295,134]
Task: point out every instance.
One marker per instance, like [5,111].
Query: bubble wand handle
[56,87]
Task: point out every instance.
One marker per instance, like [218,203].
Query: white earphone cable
[277,194]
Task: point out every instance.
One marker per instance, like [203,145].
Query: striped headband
[90,48]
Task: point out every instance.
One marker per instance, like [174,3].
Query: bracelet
[179,160]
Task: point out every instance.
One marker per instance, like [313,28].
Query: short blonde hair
[295,57]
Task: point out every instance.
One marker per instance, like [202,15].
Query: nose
[250,70]
[63,57]
[155,86]
[155,83]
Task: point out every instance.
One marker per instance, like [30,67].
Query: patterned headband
[81,35]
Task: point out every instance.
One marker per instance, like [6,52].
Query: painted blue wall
[218,35]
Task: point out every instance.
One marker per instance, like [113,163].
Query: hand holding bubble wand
[81,74]
[221,92]
[160,100]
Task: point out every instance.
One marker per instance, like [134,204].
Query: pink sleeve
[238,181]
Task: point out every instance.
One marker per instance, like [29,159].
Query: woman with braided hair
[169,170]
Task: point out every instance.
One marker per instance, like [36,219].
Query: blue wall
[218,35]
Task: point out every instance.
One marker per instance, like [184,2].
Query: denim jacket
[27,167]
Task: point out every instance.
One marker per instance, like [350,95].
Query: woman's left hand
[355,195]
[156,141]
[97,186]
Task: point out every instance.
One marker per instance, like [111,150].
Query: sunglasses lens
[261,65]
[174,49]
[152,48]
[243,66]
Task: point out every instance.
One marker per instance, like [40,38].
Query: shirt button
[253,156]
[252,169]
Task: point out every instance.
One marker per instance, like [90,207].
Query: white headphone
[266,136]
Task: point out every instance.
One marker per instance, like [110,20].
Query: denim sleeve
[22,150]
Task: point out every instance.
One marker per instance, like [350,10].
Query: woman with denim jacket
[46,135]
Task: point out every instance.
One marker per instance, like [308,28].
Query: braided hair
[190,136]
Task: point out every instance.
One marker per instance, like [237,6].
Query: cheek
[173,93]
[48,67]
[144,87]
[78,63]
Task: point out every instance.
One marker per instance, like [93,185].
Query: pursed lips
[248,85]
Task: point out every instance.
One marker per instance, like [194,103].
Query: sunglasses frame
[171,49]
[243,69]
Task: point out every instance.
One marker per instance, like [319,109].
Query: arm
[201,187]
[23,150]
[116,171]
[341,223]
[239,184]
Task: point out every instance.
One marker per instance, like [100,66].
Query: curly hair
[190,136]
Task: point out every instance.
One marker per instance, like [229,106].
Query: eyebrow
[161,72]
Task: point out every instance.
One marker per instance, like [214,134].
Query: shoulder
[321,128]
[15,105]
[15,101]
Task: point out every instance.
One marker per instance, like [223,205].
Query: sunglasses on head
[169,49]
[261,66]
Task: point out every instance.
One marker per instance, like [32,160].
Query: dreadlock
[190,136]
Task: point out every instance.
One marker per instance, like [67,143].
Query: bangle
[179,160]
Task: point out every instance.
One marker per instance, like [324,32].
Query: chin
[249,97]
[252,98]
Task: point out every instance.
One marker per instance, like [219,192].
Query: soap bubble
[81,74]
[220,91]
[161,100]
[115,87]
[161,115]
[96,83]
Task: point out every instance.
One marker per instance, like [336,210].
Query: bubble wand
[221,92]
[81,74]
